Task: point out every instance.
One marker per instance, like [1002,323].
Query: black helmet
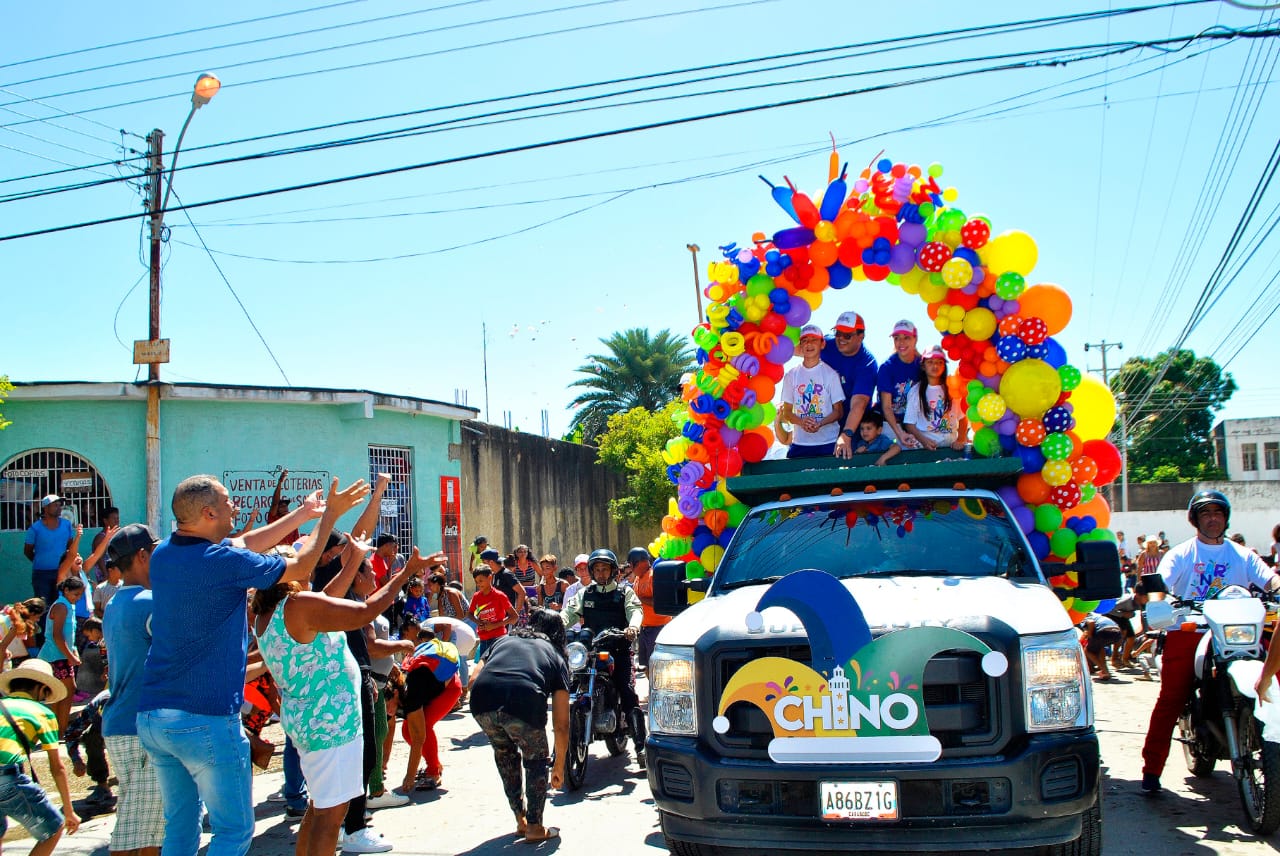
[602,555]
[1207,497]
[638,554]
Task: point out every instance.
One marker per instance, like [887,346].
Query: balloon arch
[894,224]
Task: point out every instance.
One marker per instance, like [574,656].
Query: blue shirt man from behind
[193,680]
[894,379]
[857,368]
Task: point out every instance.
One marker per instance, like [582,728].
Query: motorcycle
[595,711]
[1219,722]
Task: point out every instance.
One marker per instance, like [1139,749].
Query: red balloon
[752,447]
[1107,457]
[773,371]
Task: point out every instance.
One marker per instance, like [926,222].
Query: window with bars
[27,477]
[1271,454]
[1249,457]
[396,515]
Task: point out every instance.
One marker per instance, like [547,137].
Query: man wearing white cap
[812,399]
[894,379]
[46,545]
[857,368]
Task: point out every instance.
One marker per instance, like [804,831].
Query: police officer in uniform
[604,605]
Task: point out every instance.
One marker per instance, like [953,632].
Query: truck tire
[1090,841]
[683,848]
[1199,757]
[1259,782]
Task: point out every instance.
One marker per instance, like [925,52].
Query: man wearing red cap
[857,369]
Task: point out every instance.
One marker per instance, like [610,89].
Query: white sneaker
[387,799]
[365,841]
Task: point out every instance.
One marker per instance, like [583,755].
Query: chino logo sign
[861,700]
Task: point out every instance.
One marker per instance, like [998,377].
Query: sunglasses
[842,335]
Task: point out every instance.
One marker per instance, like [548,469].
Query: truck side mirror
[671,588]
[1097,569]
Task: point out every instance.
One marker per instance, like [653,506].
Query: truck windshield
[860,537]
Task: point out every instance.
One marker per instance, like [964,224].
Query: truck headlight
[1240,634]
[1055,675]
[672,691]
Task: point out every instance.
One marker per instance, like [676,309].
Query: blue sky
[1130,172]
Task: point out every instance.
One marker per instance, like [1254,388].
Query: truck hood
[889,603]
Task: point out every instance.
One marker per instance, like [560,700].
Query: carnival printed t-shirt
[488,607]
[1194,570]
[199,626]
[935,421]
[812,392]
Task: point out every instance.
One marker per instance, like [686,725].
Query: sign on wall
[451,523]
[251,490]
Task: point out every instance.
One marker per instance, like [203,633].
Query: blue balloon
[693,431]
[1032,458]
[971,256]
[839,275]
[833,199]
[1039,544]
[702,539]
[726,535]
[789,238]
[1055,354]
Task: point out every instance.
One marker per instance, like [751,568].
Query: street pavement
[613,813]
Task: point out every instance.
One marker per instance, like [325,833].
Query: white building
[1248,449]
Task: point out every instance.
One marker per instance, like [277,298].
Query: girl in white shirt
[933,417]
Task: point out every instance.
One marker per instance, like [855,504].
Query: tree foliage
[633,445]
[5,389]
[1170,435]
[638,371]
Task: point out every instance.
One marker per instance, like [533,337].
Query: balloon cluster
[893,224]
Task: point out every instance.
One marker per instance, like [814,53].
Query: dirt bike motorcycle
[595,711]
[1219,722]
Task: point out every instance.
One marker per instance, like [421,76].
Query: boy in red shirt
[492,611]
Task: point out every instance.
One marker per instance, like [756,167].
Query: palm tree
[638,371]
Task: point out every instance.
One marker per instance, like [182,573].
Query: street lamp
[155,350]
[697,284]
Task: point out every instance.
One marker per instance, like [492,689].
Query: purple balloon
[1009,494]
[691,472]
[748,399]
[1025,519]
[979,274]
[995,302]
[690,507]
[730,436]
[991,383]
[782,351]
[971,288]
[902,258]
[798,314]
[912,234]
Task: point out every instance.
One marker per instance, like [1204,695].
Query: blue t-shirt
[50,544]
[199,627]
[880,444]
[126,626]
[857,373]
[895,377]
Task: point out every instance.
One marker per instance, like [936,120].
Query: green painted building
[86,441]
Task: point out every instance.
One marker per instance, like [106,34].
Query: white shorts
[334,776]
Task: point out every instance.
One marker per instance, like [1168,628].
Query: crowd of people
[338,634]
[837,400]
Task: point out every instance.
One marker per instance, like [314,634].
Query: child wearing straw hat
[26,724]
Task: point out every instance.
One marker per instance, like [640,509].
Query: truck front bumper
[1030,798]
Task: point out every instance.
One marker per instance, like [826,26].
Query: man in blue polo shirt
[857,368]
[45,545]
[193,680]
[894,379]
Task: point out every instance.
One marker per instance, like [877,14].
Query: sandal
[548,833]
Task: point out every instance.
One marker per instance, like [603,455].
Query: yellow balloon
[931,293]
[979,323]
[1095,409]
[1030,387]
[1012,251]
[913,280]
[712,555]
[813,298]
[1054,473]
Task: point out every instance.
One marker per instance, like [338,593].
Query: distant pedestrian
[110,520]
[492,611]
[59,649]
[45,545]
[652,623]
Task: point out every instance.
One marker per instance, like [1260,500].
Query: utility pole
[484,350]
[1104,346]
[697,283]
[155,174]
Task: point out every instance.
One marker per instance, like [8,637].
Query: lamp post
[697,284]
[155,350]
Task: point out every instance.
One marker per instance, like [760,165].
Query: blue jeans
[295,786]
[26,802]
[201,758]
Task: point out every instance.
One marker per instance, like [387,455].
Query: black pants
[621,679]
[95,755]
[372,754]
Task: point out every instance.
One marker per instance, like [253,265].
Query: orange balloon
[716,519]
[823,252]
[1077,446]
[1083,469]
[762,387]
[1097,508]
[1049,302]
[1032,488]
[1008,325]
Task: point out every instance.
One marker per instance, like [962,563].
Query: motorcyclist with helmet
[1196,569]
[604,605]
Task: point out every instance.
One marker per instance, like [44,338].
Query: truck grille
[961,702]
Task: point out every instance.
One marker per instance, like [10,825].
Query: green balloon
[1070,376]
[759,284]
[1062,543]
[1099,535]
[1048,518]
[1087,492]
[737,513]
[694,570]
[1056,447]
[1010,285]
[974,415]
[951,220]
[986,442]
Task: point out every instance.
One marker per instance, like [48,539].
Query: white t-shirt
[939,425]
[1194,570]
[812,392]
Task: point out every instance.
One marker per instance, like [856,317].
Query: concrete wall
[1257,434]
[1255,510]
[524,489]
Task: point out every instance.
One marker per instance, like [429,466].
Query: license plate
[858,800]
